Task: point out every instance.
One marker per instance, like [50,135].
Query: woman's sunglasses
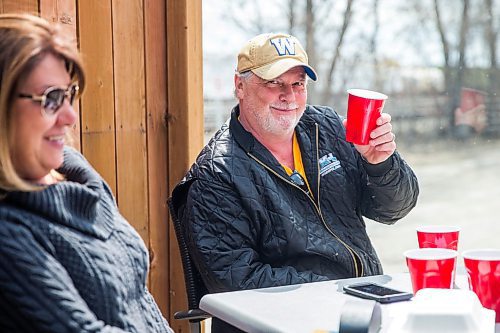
[53,98]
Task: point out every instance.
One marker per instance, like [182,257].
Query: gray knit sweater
[69,262]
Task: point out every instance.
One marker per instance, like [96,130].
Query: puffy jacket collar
[251,145]
[244,138]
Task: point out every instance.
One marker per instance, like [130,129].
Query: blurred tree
[453,71]
[327,91]
[256,16]
[373,46]
[491,36]
[291,16]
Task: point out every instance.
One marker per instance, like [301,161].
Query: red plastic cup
[483,270]
[363,109]
[431,268]
[440,236]
[471,98]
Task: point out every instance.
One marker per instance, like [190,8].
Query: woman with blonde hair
[69,262]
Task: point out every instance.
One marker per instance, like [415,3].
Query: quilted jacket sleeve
[223,236]
[36,293]
[390,190]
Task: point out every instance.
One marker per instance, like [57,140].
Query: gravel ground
[459,185]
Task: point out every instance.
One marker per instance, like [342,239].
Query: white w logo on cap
[284,46]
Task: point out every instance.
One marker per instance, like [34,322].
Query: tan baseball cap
[272,54]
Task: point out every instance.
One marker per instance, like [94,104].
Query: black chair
[195,288]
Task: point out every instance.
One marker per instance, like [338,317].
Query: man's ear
[238,86]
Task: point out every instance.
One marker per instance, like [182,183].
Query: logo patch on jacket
[327,164]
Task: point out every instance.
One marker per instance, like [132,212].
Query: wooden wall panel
[130,113]
[156,106]
[185,110]
[62,11]
[98,101]
[19,6]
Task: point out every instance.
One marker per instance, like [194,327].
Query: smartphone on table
[377,292]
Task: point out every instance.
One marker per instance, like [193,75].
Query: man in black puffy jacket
[277,196]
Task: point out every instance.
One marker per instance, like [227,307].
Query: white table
[306,307]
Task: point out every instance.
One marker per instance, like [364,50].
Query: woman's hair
[25,40]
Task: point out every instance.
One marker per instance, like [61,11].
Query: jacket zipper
[353,253]
[318,210]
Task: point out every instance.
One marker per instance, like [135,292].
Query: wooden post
[130,113]
[185,114]
[156,108]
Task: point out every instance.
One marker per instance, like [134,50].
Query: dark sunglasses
[53,98]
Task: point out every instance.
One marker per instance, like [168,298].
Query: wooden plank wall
[141,117]
[185,112]
[98,103]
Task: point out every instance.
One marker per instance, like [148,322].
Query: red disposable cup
[483,270]
[440,236]
[363,109]
[471,98]
[431,268]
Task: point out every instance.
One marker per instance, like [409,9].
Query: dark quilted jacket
[249,226]
[69,262]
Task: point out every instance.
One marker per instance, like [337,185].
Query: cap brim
[275,69]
